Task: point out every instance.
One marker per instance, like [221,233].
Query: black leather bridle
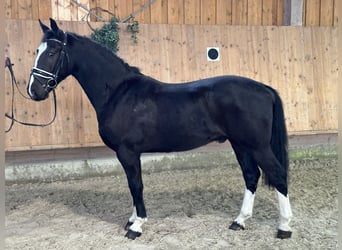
[52,77]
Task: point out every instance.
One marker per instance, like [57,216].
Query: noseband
[52,77]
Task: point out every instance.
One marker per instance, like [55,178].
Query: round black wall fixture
[213,54]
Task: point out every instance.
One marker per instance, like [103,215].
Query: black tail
[279,142]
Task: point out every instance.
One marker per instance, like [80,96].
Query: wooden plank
[8,10]
[59,10]
[280,12]
[326,95]
[164,67]
[255,10]
[331,75]
[208,11]
[327,13]
[92,7]
[283,77]
[224,12]
[73,11]
[54,9]
[297,96]
[152,63]
[192,12]
[67,10]
[190,54]
[255,52]
[269,12]
[111,7]
[310,86]
[103,4]
[173,38]
[159,10]
[45,9]
[35,9]
[24,9]
[312,11]
[145,15]
[14,9]
[336,8]
[123,8]
[264,56]
[63,10]
[239,12]
[175,12]
[81,13]
[136,5]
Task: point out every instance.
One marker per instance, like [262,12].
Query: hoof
[132,235]
[128,225]
[284,234]
[236,226]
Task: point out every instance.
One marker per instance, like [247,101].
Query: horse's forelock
[48,35]
[52,35]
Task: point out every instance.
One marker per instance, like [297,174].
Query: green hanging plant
[108,35]
[134,29]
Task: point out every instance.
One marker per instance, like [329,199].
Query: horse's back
[227,84]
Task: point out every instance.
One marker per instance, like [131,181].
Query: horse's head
[51,64]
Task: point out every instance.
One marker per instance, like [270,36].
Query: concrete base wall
[81,163]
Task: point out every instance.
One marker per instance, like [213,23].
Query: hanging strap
[14,82]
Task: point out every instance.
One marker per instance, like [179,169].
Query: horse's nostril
[37,94]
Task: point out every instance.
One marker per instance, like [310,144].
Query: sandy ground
[188,209]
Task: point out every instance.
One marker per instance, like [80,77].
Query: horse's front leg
[130,161]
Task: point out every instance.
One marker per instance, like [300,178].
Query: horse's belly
[183,138]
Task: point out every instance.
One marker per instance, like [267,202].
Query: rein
[14,82]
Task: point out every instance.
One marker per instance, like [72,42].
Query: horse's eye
[51,53]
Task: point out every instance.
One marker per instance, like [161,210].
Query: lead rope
[14,82]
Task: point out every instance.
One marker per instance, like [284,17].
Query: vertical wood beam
[293,12]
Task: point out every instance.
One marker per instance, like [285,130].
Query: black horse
[138,114]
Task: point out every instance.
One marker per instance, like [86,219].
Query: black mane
[104,51]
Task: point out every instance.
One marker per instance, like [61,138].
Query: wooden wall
[320,12]
[300,62]
[234,12]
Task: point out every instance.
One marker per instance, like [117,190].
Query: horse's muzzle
[37,92]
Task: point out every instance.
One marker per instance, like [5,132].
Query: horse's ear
[54,26]
[43,26]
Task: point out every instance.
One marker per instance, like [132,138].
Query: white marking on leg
[133,216]
[285,212]
[41,50]
[138,222]
[246,209]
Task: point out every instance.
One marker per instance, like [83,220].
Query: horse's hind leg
[277,177]
[251,174]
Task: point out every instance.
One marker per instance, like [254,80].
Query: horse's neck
[98,77]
